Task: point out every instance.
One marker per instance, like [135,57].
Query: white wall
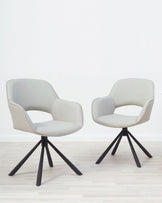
[82,47]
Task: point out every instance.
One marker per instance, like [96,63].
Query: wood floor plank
[115,180]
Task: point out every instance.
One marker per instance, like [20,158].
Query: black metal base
[44,143]
[117,140]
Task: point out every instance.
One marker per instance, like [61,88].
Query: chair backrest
[132,91]
[31,94]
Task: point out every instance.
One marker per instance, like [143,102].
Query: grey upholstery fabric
[132,91]
[31,94]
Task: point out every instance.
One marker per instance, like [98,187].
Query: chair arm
[21,120]
[146,111]
[102,106]
[67,111]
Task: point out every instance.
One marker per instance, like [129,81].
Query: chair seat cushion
[117,120]
[56,128]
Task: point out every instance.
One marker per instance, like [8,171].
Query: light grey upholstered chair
[31,94]
[130,91]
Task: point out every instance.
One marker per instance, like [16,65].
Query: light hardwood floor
[115,180]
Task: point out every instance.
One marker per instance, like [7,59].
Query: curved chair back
[132,91]
[31,94]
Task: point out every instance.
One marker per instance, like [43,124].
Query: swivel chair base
[44,143]
[117,140]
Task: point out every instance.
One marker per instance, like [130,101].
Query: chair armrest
[21,120]
[67,111]
[102,106]
[146,111]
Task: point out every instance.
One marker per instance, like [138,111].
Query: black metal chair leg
[23,160]
[140,145]
[134,152]
[107,150]
[39,174]
[65,159]
[49,156]
[116,146]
